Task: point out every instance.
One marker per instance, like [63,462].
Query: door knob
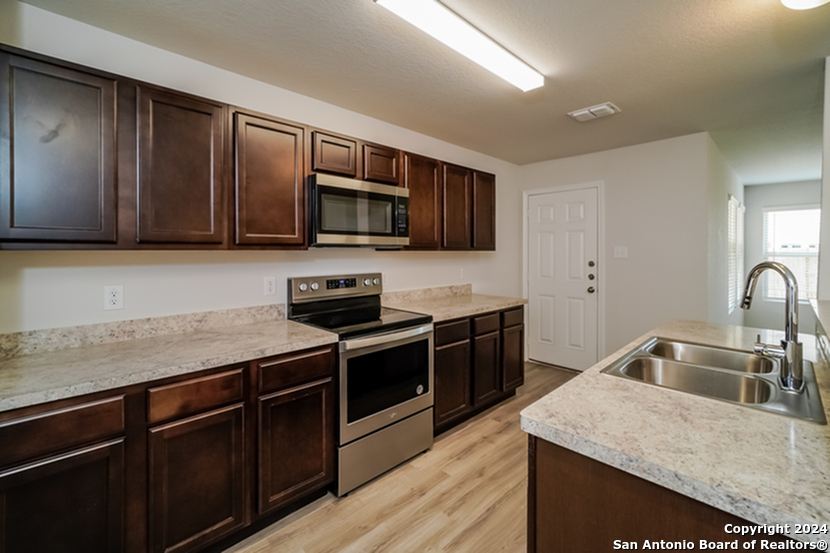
[591,290]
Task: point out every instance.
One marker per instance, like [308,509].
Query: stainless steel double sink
[734,376]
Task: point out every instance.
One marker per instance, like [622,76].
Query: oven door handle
[387,338]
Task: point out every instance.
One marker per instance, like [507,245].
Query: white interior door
[562,278]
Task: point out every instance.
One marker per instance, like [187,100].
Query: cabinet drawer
[194,396]
[39,435]
[286,371]
[452,332]
[485,324]
[512,318]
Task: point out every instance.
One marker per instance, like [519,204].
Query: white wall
[770,313]
[824,254]
[656,205]
[54,289]
[722,181]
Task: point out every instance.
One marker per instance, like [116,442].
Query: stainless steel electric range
[385,375]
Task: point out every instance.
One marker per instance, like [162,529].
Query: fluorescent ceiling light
[442,24]
[803,4]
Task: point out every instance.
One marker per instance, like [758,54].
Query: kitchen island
[753,466]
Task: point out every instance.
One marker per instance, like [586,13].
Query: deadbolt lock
[591,277]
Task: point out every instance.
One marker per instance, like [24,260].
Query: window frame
[735,251]
[767,256]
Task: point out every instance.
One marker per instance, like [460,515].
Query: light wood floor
[468,493]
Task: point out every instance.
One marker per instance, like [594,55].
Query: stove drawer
[289,370]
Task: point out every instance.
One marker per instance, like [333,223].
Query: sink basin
[739,377]
[721,358]
[698,380]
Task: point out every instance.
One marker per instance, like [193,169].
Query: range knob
[367,281]
[376,281]
[303,287]
[314,285]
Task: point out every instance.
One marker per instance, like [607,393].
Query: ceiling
[750,72]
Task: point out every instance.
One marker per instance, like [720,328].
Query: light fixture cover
[594,112]
[442,24]
[803,4]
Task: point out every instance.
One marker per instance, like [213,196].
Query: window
[791,237]
[735,251]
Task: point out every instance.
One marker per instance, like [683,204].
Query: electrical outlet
[113,297]
[270,286]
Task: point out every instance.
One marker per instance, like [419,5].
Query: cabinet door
[453,395]
[422,176]
[380,164]
[512,357]
[57,159]
[296,443]
[196,478]
[484,211]
[72,503]
[458,187]
[486,368]
[270,197]
[180,193]
[333,154]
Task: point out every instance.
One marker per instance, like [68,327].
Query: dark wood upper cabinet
[458,192]
[422,175]
[380,164]
[70,503]
[333,154]
[196,480]
[180,168]
[269,185]
[57,159]
[484,211]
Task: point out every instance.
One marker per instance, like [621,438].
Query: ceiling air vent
[594,112]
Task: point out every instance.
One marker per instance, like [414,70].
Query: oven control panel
[305,289]
[340,283]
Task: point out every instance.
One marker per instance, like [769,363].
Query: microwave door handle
[387,338]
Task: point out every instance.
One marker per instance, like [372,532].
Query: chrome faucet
[789,352]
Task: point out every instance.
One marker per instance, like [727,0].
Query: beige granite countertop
[38,378]
[763,467]
[445,308]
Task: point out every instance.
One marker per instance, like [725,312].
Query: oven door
[383,379]
[349,212]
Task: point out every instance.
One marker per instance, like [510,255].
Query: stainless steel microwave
[347,212]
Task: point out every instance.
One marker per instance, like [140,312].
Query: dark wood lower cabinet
[453,397]
[70,503]
[197,480]
[579,504]
[479,361]
[296,443]
[486,369]
[169,466]
[512,357]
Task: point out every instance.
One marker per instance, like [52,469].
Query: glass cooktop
[360,322]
